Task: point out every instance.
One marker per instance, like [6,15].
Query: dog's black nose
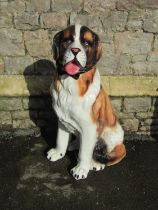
[75,51]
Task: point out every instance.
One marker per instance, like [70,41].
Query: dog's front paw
[54,155]
[80,172]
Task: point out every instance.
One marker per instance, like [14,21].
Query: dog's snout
[75,51]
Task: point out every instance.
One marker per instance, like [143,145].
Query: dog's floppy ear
[56,43]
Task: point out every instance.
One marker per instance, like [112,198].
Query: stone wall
[129,34]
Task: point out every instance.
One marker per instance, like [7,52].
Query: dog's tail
[101,155]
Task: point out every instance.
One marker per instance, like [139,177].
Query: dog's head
[76,50]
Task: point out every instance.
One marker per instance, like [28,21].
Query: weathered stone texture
[135,4]
[16,6]
[54,21]
[66,5]
[1,65]
[139,57]
[5,115]
[156,43]
[11,43]
[6,21]
[19,115]
[133,42]
[27,21]
[138,104]
[23,124]
[114,21]
[37,43]
[17,65]
[153,57]
[130,125]
[92,21]
[38,5]
[117,103]
[145,68]
[5,120]
[99,6]
[134,24]
[10,104]
[144,115]
[150,23]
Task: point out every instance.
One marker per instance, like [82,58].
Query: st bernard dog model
[82,106]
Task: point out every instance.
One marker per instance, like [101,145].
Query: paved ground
[29,182]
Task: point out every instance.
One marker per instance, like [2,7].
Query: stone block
[144,115]
[153,56]
[5,124]
[91,21]
[108,64]
[37,43]
[11,43]
[19,115]
[17,65]
[38,5]
[99,6]
[54,21]
[135,4]
[130,125]
[114,64]
[123,115]
[145,68]
[66,5]
[133,42]
[124,65]
[26,21]
[1,65]
[5,116]
[152,68]
[134,25]
[138,104]
[10,104]
[114,21]
[117,103]
[151,122]
[140,68]
[6,21]
[156,42]
[150,22]
[16,6]
[22,124]
[139,57]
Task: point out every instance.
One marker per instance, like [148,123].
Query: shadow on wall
[40,107]
[154,124]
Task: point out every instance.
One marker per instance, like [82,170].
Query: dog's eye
[85,43]
[67,42]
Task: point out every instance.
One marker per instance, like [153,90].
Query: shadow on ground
[154,124]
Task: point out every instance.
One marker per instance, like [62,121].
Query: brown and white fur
[82,106]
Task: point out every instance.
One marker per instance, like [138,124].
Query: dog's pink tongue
[72,68]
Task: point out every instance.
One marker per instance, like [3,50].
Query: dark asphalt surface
[29,182]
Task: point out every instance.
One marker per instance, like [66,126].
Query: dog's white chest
[73,111]
[68,105]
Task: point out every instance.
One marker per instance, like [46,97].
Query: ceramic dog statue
[82,106]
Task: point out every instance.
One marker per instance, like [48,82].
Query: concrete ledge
[14,85]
